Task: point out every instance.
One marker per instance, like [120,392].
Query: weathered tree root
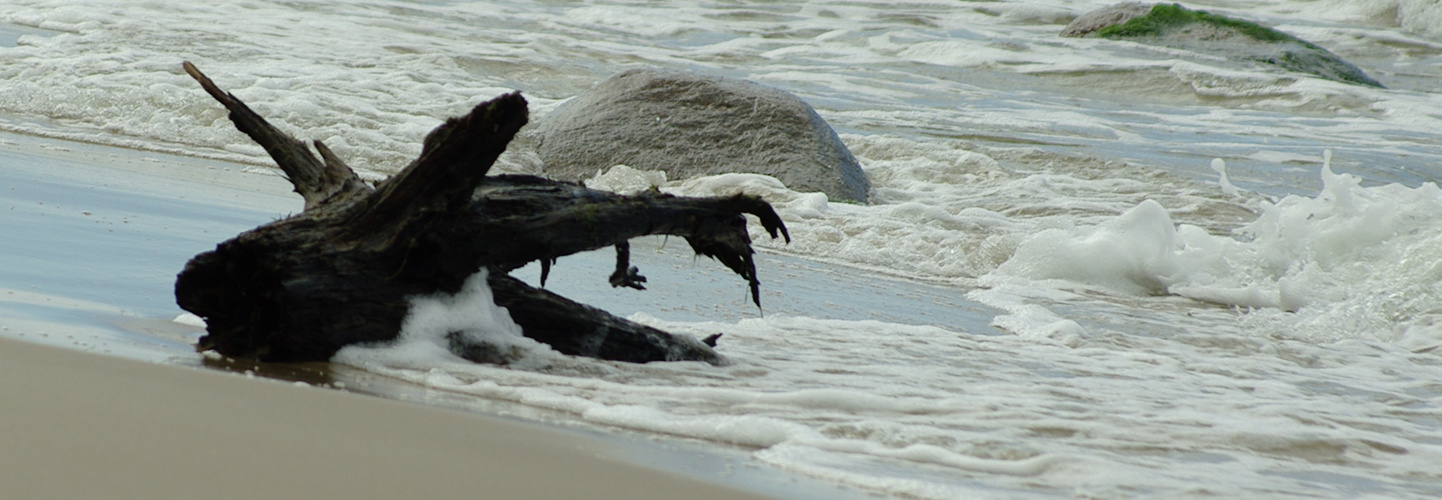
[342,271]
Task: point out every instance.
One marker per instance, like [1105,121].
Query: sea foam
[434,323]
[1350,262]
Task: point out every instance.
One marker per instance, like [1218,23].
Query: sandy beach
[80,425]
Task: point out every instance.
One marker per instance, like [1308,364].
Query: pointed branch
[454,160]
[317,182]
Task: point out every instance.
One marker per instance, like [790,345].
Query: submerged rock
[1172,25]
[1101,18]
[690,125]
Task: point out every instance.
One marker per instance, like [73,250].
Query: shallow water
[1053,294]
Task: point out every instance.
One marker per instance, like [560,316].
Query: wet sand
[81,425]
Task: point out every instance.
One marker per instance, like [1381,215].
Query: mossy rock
[1172,25]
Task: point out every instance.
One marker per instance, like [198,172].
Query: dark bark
[342,271]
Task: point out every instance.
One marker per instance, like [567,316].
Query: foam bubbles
[437,326]
[1423,17]
[623,179]
[189,319]
[1133,253]
[1220,167]
[1350,262]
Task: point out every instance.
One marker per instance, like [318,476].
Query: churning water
[1091,268]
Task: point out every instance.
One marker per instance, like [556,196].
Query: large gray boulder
[691,125]
[1172,25]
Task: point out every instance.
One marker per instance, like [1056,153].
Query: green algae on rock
[1172,25]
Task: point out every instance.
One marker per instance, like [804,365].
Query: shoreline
[87,290]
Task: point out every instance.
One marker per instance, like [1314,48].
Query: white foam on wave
[1351,262]
[967,53]
[1423,17]
[434,324]
[1220,167]
[749,404]
[1131,253]
[121,83]
[944,212]
[1350,271]
[190,319]
[637,20]
[388,76]
[936,413]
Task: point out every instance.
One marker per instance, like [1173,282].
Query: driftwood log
[343,270]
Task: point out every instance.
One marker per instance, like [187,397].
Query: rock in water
[1172,25]
[691,125]
[1101,18]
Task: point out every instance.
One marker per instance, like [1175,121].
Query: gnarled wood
[342,271]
